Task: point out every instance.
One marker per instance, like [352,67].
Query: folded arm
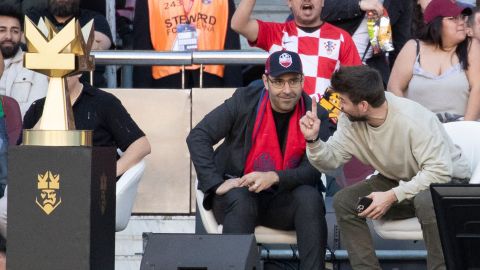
[134,154]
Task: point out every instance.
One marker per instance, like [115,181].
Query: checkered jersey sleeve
[269,33]
[348,52]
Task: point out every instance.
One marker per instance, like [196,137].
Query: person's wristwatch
[312,141]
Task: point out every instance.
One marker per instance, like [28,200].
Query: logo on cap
[285,60]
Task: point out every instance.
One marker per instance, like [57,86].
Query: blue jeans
[3,155]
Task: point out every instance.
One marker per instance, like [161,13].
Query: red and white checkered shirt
[321,51]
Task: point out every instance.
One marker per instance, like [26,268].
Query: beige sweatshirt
[410,146]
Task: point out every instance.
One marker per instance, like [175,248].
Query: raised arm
[242,22]
[402,69]
[472,112]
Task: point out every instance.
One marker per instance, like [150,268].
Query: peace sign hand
[309,123]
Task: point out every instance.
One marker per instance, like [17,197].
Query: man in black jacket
[260,174]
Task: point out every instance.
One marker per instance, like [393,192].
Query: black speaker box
[199,252]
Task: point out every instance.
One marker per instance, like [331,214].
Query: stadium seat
[126,193]
[263,235]
[465,134]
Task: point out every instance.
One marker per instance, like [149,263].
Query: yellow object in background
[330,101]
[380,32]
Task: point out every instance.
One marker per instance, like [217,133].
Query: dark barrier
[199,252]
[61,208]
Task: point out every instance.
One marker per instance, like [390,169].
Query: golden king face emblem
[48,197]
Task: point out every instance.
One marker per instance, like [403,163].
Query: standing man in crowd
[260,174]
[404,142]
[321,46]
[22,84]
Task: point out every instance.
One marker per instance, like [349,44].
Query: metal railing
[183,59]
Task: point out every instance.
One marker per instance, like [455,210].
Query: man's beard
[356,118]
[10,51]
[63,9]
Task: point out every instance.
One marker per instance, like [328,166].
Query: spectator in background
[60,12]
[124,25]
[350,15]
[97,110]
[25,5]
[441,70]
[473,24]
[322,46]
[22,84]
[203,24]
[419,7]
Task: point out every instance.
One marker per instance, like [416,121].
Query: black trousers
[301,209]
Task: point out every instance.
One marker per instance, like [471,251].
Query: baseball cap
[443,8]
[282,62]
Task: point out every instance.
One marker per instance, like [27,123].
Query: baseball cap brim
[444,8]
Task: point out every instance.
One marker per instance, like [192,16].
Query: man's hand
[258,181]
[309,123]
[374,5]
[227,186]
[382,201]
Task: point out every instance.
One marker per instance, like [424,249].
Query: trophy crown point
[70,47]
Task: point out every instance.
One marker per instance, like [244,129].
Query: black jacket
[234,121]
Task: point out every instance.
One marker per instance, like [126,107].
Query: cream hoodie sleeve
[326,156]
[433,157]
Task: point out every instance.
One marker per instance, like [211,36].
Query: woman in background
[440,70]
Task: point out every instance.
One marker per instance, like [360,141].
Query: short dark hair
[359,83]
[8,10]
[471,18]
[432,34]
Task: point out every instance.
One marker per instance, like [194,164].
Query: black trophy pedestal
[61,208]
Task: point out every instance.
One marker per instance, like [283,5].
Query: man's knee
[424,207]
[240,200]
[308,198]
[341,200]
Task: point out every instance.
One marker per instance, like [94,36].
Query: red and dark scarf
[266,154]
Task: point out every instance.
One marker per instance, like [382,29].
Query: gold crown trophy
[61,204]
[58,54]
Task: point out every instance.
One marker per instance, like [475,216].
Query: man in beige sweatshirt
[404,142]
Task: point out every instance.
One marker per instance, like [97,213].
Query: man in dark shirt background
[102,112]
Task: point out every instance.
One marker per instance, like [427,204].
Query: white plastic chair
[126,192]
[465,134]
[263,235]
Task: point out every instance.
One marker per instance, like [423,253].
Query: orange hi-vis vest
[209,17]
